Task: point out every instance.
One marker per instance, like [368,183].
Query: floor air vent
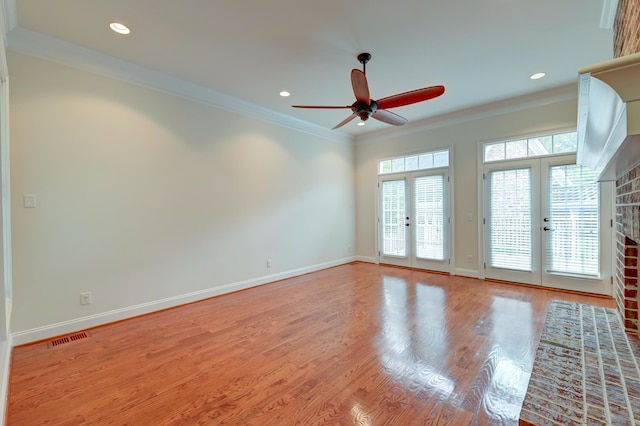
[67,339]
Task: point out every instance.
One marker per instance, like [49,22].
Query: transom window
[409,163]
[531,147]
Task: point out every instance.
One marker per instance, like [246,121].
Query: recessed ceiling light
[284,94]
[119,28]
[537,75]
[361,123]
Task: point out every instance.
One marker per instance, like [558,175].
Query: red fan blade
[345,121]
[320,106]
[408,98]
[360,86]
[389,117]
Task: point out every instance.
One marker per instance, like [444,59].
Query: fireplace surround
[627,238]
[626,42]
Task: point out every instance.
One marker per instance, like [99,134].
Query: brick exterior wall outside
[626,28]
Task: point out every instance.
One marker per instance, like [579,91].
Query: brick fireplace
[626,42]
[627,237]
[627,28]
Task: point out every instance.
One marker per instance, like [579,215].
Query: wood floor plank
[355,344]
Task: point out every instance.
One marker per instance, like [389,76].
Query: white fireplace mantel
[609,116]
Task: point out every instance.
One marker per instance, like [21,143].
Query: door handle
[546,228]
[546,219]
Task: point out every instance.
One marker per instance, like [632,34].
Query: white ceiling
[482,51]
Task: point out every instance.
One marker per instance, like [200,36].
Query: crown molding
[608,15]
[52,49]
[9,15]
[545,97]
[45,47]
[8,19]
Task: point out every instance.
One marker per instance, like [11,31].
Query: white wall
[143,196]
[464,137]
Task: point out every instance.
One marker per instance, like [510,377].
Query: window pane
[411,163]
[441,159]
[510,219]
[393,218]
[540,146]
[494,152]
[516,149]
[565,142]
[426,161]
[397,165]
[429,220]
[385,167]
[573,240]
[532,147]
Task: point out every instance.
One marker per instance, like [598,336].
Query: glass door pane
[512,236]
[429,217]
[394,219]
[576,227]
[573,245]
[431,221]
[510,240]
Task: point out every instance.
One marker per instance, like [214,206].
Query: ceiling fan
[365,107]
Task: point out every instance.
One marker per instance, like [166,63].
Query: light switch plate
[29,201]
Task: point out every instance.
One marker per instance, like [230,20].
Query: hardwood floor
[356,344]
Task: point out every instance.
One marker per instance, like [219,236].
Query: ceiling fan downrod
[363,58]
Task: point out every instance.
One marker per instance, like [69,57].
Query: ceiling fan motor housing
[364,110]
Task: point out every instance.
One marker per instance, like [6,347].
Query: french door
[546,222]
[413,220]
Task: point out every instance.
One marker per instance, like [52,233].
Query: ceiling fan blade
[389,117]
[321,106]
[360,86]
[345,121]
[408,98]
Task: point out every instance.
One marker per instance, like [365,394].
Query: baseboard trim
[71,326]
[365,259]
[5,370]
[471,273]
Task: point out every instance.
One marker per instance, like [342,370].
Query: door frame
[409,177]
[607,212]
[533,277]
[393,177]
[606,215]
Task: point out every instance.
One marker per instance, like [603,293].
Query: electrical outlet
[85,298]
[268,263]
